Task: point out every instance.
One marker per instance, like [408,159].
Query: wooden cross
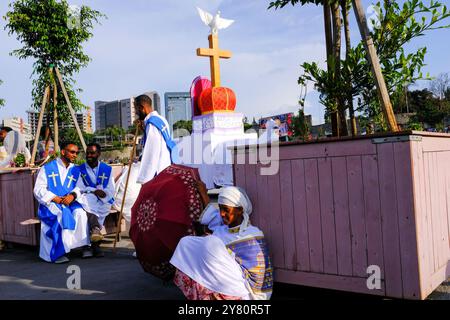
[71,179]
[214,54]
[103,177]
[53,176]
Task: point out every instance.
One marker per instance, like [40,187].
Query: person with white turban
[13,144]
[233,262]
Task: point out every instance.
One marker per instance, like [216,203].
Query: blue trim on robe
[165,132]
[68,222]
[103,168]
[253,257]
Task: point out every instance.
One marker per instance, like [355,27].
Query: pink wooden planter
[337,207]
[16,205]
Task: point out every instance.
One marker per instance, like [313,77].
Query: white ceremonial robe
[101,207]
[13,144]
[156,155]
[132,191]
[207,260]
[71,238]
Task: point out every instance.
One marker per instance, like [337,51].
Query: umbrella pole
[119,223]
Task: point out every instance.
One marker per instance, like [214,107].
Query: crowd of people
[230,260]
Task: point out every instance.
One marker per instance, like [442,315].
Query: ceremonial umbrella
[163,213]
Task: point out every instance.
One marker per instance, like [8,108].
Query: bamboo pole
[374,62]
[55,114]
[41,117]
[130,163]
[72,112]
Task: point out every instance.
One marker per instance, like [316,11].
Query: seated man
[64,222]
[233,263]
[97,193]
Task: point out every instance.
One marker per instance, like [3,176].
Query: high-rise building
[83,119]
[18,124]
[120,113]
[177,107]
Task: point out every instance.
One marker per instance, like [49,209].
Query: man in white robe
[97,187]
[64,224]
[157,140]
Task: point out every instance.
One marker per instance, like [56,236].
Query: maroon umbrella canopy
[163,213]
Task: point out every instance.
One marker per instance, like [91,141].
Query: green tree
[71,135]
[398,26]
[428,108]
[53,35]
[300,127]
[183,124]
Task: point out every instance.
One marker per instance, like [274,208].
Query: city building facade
[177,107]
[19,125]
[120,113]
[84,121]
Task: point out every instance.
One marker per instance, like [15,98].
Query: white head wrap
[237,197]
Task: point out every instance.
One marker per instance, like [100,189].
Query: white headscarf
[237,197]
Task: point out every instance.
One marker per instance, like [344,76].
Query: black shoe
[62,259]
[87,253]
[97,251]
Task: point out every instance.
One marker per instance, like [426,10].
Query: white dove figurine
[214,22]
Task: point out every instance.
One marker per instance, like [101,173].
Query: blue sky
[150,45]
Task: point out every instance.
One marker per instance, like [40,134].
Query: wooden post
[55,114]
[72,112]
[375,65]
[38,131]
[130,163]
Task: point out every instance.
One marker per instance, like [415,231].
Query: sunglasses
[73,151]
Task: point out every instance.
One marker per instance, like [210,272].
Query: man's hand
[57,200]
[100,193]
[139,124]
[67,200]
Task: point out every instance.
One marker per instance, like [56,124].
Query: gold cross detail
[214,54]
[53,176]
[71,179]
[103,177]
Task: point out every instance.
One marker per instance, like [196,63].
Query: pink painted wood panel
[265,208]
[388,201]
[372,212]
[346,205]
[341,208]
[327,216]
[320,150]
[301,218]
[17,204]
[357,218]
[406,218]
[276,227]
[287,215]
[313,214]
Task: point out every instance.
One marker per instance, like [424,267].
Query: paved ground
[119,276]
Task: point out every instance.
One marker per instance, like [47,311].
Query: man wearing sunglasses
[64,222]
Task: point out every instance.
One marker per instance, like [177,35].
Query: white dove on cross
[214,22]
